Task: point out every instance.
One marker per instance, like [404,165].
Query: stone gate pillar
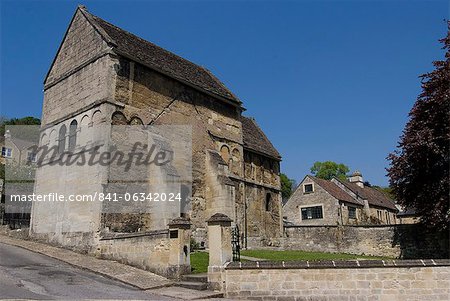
[179,255]
[220,249]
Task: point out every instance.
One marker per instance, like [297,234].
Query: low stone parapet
[339,280]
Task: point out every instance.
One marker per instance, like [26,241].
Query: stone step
[186,294]
[202,278]
[200,286]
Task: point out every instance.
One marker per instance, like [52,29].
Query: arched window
[73,135]
[268,199]
[62,139]
[236,156]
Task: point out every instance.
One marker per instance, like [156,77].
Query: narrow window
[31,157]
[312,212]
[6,152]
[352,212]
[268,199]
[73,135]
[62,139]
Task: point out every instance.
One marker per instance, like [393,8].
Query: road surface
[28,275]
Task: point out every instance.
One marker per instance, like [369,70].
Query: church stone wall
[157,99]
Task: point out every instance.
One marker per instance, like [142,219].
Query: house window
[6,152]
[268,199]
[31,157]
[308,188]
[352,212]
[312,212]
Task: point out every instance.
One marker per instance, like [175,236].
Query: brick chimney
[357,178]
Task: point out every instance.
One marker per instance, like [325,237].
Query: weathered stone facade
[361,240]
[104,76]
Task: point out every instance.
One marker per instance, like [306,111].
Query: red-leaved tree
[419,170]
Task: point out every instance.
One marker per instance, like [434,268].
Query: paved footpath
[136,280]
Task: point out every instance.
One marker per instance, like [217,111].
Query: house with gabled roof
[320,202]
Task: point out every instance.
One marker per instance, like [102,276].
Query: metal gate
[235,243]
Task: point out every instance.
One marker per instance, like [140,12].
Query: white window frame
[33,156]
[309,206]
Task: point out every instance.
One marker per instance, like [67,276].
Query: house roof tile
[335,191]
[255,139]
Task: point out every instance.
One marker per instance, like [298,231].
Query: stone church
[103,75]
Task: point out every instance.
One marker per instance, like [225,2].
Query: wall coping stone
[112,236]
[337,264]
[180,223]
[219,219]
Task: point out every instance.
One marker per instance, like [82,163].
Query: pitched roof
[159,59]
[255,139]
[407,212]
[335,191]
[372,195]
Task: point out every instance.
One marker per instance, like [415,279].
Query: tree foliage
[329,169]
[419,168]
[287,186]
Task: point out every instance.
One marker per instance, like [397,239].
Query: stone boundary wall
[396,241]
[365,280]
[149,250]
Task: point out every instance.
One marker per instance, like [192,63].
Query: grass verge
[290,255]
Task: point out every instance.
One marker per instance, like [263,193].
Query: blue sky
[326,80]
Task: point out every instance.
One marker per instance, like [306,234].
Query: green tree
[419,169]
[329,169]
[287,186]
